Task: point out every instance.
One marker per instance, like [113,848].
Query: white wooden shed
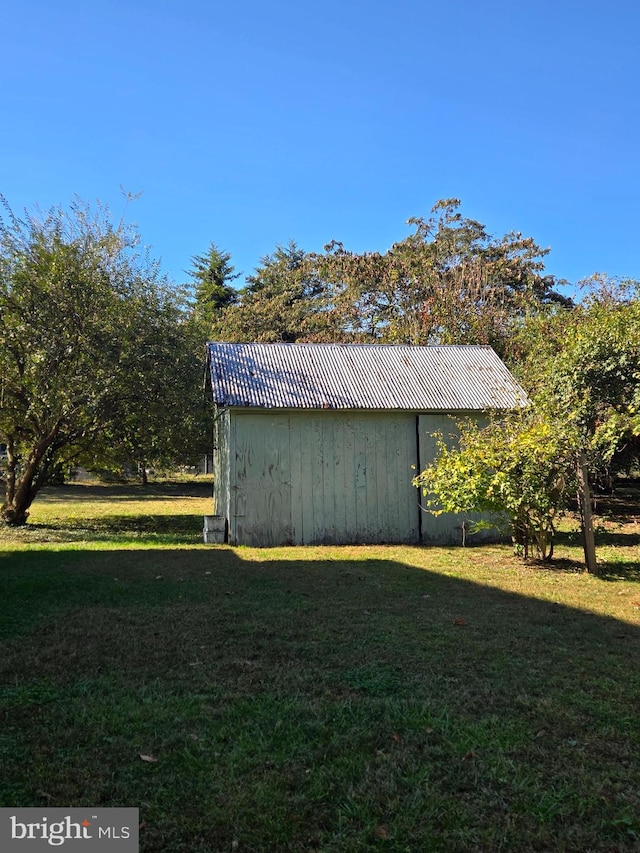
[319,443]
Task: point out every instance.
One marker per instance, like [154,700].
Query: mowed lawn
[300,699]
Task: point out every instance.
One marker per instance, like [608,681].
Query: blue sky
[248,124]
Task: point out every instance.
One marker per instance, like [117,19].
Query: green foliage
[449,282]
[163,419]
[212,274]
[285,300]
[89,334]
[583,366]
[520,465]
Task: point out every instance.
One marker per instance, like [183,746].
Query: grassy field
[333,699]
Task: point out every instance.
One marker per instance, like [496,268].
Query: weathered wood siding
[316,477]
[260,500]
[221,467]
[322,477]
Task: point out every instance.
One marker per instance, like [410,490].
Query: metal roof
[361,376]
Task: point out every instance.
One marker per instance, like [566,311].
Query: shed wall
[300,477]
[322,478]
[221,463]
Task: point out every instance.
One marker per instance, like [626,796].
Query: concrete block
[214,531]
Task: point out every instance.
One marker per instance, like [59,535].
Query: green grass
[94,515]
[334,699]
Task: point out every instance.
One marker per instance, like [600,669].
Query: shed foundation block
[214,531]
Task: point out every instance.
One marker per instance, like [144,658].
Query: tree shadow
[176,525]
[628,570]
[562,565]
[81,492]
[616,538]
[619,571]
[119,529]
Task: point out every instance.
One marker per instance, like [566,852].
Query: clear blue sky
[251,123]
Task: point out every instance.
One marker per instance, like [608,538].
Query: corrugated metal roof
[361,376]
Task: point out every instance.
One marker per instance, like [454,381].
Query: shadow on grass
[619,571]
[126,491]
[174,525]
[562,565]
[333,705]
[606,538]
[609,571]
[621,507]
[627,570]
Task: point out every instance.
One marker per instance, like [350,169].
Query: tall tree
[163,418]
[284,300]
[213,274]
[448,282]
[77,304]
[581,367]
[584,365]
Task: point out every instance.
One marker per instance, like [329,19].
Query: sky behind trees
[249,124]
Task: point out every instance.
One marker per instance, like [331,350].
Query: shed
[319,443]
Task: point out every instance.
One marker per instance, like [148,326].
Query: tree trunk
[12,463]
[13,512]
[584,502]
[21,490]
[18,499]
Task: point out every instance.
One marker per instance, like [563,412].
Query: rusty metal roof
[361,376]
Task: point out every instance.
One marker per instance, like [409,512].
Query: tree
[584,366]
[212,274]
[581,369]
[448,282]
[285,300]
[163,419]
[76,302]
[519,467]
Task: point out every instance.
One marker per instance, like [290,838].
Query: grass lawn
[301,699]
